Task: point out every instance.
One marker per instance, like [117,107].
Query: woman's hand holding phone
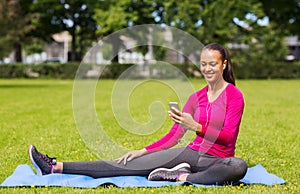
[184,119]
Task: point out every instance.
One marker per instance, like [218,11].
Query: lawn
[40,112]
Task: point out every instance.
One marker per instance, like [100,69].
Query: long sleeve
[176,132]
[169,140]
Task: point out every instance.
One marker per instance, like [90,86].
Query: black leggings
[206,169]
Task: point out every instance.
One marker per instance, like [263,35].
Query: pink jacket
[220,122]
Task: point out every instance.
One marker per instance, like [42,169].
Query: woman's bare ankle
[183,177]
[58,167]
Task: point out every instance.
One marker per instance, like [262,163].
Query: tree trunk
[81,47]
[18,52]
[73,46]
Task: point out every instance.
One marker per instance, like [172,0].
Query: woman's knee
[240,167]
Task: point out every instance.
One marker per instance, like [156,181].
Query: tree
[240,27]
[116,15]
[76,17]
[235,24]
[184,15]
[111,17]
[5,12]
[230,21]
[18,24]
[286,15]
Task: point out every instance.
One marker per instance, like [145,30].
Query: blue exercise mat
[25,176]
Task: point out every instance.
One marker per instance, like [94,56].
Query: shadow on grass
[24,86]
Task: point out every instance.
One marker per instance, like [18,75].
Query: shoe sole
[38,170]
[182,165]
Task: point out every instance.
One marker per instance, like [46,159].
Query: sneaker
[165,174]
[42,163]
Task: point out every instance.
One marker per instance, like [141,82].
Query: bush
[253,70]
[62,71]
[114,70]
[46,70]
[256,70]
[68,70]
[14,71]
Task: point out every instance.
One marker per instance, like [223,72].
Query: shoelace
[48,160]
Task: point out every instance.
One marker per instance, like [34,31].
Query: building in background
[58,50]
[293,44]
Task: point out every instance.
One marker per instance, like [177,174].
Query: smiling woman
[213,114]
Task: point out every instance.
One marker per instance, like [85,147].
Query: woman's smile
[208,75]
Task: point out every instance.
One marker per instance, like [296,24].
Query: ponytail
[228,71]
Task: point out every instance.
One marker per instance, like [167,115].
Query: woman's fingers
[123,158]
[127,157]
[130,158]
[131,155]
[119,160]
[176,111]
[172,114]
[175,117]
[184,119]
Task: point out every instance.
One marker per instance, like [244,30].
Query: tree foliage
[286,15]
[76,17]
[186,16]
[236,24]
[239,22]
[116,15]
[16,21]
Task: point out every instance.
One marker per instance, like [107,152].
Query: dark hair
[228,71]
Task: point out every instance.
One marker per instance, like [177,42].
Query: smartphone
[173,104]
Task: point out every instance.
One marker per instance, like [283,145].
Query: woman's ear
[224,64]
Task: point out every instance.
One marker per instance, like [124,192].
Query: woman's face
[211,65]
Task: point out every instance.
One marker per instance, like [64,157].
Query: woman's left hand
[184,119]
[131,155]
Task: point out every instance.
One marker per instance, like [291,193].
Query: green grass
[40,112]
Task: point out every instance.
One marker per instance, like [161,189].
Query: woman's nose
[207,68]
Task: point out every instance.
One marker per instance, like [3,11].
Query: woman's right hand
[131,155]
[185,120]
